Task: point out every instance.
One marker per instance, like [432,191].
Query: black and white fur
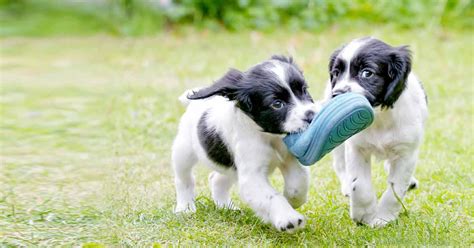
[382,74]
[236,127]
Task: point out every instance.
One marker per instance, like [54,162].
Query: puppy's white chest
[387,141]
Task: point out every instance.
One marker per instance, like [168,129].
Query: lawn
[87,124]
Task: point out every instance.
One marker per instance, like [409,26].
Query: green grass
[87,124]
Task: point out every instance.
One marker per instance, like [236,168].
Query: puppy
[236,127]
[382,74]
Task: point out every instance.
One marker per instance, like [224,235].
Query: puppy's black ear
[226,86]
[399,66]
[332,60]
[229,86]
[333,57]
[288,60]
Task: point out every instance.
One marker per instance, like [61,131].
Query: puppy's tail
[184,97]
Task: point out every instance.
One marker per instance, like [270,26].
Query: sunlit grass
[87,124]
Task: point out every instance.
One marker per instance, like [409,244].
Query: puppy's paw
[378,223]
[185,208]
[289,222]
[228,205]
[381,220]
[384,216]
[363,215]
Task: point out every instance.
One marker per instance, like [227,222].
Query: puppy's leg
[339,165]
[363,201]
[183,160]
[220,188]
[399,181]
[413,180]
[267,203]
[296,182]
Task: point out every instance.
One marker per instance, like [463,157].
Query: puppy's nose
[309,116]
[341,91]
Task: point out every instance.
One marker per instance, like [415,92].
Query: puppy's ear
[333,57]
[332,60]
[226,86]
[282,58]
[229,86]
[399,66]
[288,60]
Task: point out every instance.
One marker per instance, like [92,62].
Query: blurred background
[147,17]
[89,110]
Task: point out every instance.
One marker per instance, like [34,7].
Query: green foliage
[139,17]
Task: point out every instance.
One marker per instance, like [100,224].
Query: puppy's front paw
[378,222]
[381,221]
[383,217]
[289,222]
[185,208]
[229,205]
[363,215]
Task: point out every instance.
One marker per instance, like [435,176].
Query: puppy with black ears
[236,126]
[382,74]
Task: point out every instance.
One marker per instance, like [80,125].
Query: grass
[87,124]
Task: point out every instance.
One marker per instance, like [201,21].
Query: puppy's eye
[366,73]
[277,104]
[335,73]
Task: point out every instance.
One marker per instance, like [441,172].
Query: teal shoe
[339,119]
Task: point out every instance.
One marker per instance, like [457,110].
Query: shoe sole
[341,118]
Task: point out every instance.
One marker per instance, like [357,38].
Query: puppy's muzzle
[341,91]
[309,116]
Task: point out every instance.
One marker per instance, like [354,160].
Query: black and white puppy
[382,74]
[236,127]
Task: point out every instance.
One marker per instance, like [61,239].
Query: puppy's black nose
[309,116]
